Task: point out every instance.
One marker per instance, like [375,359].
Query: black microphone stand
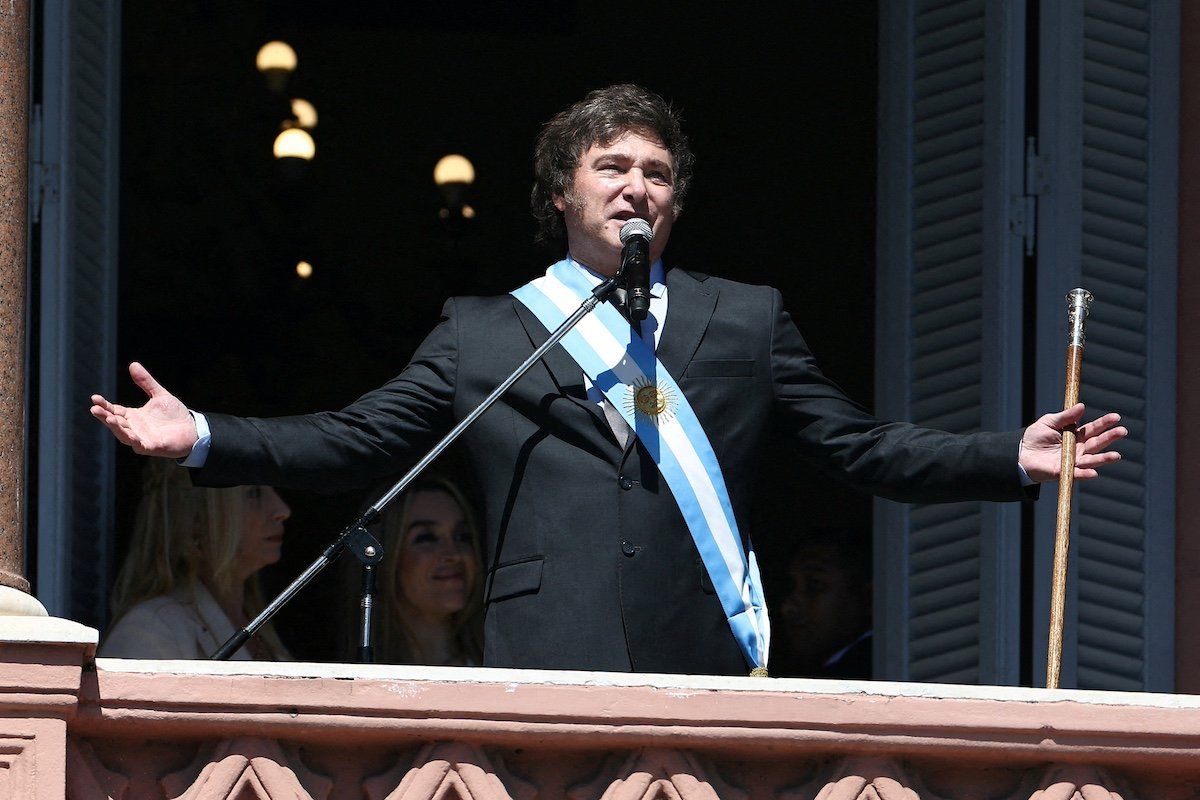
[355,536]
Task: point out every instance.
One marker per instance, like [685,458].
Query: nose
[278,509]
[635,186]
[449,551]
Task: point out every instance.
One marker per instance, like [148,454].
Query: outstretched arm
[1041,446]
[162,427]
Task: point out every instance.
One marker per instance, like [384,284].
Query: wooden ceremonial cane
[1079,303]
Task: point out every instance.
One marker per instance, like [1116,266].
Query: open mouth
[625,216]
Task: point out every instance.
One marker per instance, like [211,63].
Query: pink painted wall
[1187,503]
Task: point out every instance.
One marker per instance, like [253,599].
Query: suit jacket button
[628,549]
[625,483]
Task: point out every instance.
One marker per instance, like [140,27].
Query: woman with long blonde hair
[190,580]
[430,582]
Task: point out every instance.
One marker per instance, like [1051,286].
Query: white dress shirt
[652,325]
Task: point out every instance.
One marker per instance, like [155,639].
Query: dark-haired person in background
[823,625]
[618,474]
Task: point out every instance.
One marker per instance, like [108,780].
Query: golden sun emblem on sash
[653,401]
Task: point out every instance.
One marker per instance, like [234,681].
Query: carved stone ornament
[448,771]
[17,770]
[1076,783]
[247,769]
[858,779]
[88,777]
[656,775]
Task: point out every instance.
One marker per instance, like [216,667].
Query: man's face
[632,176]
[826,609]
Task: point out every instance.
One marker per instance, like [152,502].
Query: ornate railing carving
[76,727]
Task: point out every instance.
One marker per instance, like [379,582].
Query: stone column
[14,194]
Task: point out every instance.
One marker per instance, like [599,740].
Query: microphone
[636,236]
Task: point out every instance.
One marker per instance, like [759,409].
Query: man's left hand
[1041,446]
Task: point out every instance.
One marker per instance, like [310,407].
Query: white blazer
[187,623]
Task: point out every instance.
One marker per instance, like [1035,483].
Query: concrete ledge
[683,683]
[202,729]
[337,702]
[47,630]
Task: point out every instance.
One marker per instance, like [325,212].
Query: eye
[254,492]
[659,177]
[462,536]
[423,536]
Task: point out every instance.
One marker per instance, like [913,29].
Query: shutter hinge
[1023,210]
[43,179]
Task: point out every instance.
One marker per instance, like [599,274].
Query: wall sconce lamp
[293,149]
[304,114]
[276,61]
[453,174]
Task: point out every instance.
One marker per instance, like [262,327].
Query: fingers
[1098,425]
[98,402]
[100,414]
[1094,440]
[1065,418]
[145,381]
[1097,459]
[1101,442]
[114,418]
[118,425]
[1096,437]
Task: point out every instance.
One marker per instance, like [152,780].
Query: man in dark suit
[823,605]
[590,561]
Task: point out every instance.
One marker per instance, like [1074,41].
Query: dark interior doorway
[780,107]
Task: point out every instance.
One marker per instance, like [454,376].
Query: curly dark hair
[600,118]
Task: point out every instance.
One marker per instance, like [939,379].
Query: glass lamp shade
[305,113]
[453,169]
[295,143]
[276,55]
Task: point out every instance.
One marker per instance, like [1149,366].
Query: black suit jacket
[589,562]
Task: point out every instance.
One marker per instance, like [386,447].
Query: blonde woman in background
[190,580]
[430,583]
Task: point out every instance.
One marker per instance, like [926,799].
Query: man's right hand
[163,427]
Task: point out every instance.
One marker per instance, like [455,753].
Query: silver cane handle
[1079,305]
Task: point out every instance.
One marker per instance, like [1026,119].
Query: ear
[560,202]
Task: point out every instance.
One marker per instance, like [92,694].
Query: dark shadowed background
[779,105]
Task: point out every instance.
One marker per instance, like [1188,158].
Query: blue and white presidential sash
[621,365]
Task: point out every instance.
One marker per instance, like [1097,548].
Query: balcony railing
[81,727]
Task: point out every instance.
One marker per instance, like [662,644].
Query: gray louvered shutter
[75,200]
[948,311]
[1108,129]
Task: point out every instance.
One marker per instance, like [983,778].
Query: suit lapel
[562,368]
[566,374]
[691,304]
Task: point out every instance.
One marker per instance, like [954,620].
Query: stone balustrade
[80,727]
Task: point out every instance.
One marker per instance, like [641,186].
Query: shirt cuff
[1025,479]
[199,454]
